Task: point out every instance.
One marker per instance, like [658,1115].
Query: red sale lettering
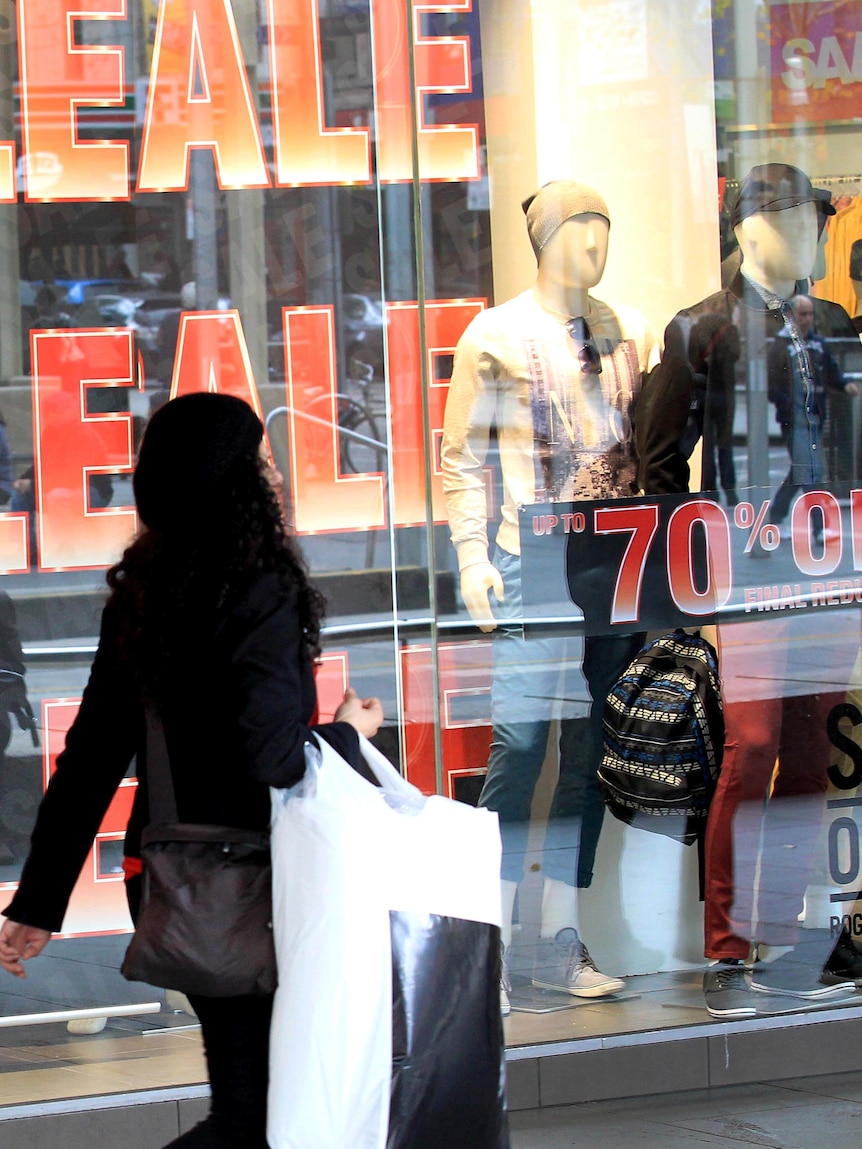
[681,543]
[75,452]
[836,592]
[98,904]
[442,64]
[574,522]
[58,73]
[199,96]
[14,542]
[856,527]
[763,598]
[464,720]
[212,355]
[8,190]
[817,511]
[642,524]
[325,499]
[307,151]
[444,321]
[816,60]
[331,678]
[544,524]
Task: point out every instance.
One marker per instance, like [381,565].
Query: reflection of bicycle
[361,449]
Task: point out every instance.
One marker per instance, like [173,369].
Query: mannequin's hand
[851,389]
[365,714]
[476,582]
[18,944]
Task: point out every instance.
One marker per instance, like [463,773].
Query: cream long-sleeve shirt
[563,433]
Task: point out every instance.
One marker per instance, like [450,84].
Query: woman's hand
[365,714]
[19,943]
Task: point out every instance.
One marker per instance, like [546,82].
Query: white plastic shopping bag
[347,858]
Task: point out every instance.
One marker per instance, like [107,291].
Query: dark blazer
[236,723]
[675,398]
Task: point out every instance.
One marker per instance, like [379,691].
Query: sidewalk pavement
[804,1113]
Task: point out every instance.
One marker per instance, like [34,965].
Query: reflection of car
[144,310]
[80,291]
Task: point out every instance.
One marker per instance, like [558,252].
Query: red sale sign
[681,560]
[816,61]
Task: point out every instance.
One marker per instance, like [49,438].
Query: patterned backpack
[664,737]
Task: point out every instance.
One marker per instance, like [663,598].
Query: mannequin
[555,371]
[764,824]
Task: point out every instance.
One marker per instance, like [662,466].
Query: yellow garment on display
[844,229]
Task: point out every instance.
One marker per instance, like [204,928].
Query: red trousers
[765,820]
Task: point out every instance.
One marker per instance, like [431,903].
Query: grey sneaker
[726,991]
[563,963]
[787,976]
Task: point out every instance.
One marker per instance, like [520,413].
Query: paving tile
[577,1131]
[841,1086]
[797,1127]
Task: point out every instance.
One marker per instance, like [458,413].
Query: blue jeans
[534,681]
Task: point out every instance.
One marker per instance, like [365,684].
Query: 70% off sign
[676,559]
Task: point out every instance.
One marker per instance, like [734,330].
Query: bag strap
[160,783]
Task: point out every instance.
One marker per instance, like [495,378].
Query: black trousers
[236,1044]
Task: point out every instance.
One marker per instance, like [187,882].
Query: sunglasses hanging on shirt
[589,359]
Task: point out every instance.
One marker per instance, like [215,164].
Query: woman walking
[212,620]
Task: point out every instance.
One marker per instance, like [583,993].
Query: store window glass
[552,364]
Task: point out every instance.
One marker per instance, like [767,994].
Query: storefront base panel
[668,1061]
[694,1057]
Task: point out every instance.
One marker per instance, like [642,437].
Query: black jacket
[675,398]
[236,723]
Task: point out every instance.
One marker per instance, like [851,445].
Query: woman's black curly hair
[170,586]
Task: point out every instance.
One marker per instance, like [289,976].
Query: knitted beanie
[188,450]
[554,203]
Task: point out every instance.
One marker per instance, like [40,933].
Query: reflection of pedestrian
[212,621]
[48,316]
[6,472]
[169,331]
[24,499]
[799,370]
[713,351]
[168,271]
[13,694]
